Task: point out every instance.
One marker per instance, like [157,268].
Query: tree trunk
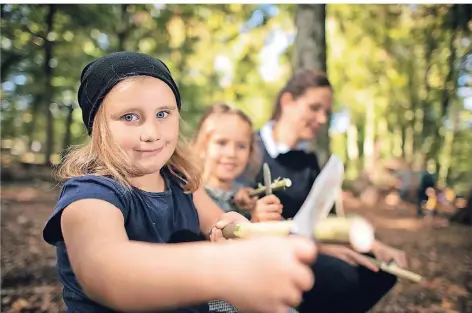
[310,53]
[352,147]
[310,43]
[412,123]
[369,135]
[408,143]
[385,137]
[446,107]
[49,90]
[352,164]
[397,142]
[420,144]
[123,28]
[31,128]
[69,119]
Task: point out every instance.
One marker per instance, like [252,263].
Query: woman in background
[346,281]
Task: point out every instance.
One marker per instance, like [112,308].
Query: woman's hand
[243,199]
[227,218]
[267,209]
[347,255]
[385,253]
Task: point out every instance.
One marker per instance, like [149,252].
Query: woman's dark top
[300,166]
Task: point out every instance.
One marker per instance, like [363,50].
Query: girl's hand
[243,200]
[227,218]
[387,254]
[267,209]
[267,274]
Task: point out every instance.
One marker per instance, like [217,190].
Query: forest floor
[437,251]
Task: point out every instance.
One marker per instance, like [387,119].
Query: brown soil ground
[439,252]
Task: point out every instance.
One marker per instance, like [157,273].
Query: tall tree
[310,53]
[49,89]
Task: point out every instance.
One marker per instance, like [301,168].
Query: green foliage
[403,60]
[400,60]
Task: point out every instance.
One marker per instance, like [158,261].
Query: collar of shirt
[274,148]
[224,195]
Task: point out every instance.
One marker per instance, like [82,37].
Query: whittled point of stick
[397,271]
[230,231]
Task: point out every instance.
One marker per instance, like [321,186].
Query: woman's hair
[102,157]
[300,82]
[204,131]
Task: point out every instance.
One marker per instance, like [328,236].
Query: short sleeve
[79,188]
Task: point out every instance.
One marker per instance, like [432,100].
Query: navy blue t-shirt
[164,217]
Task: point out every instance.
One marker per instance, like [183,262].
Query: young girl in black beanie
[133,189]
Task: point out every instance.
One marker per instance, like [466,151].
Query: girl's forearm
[138,276]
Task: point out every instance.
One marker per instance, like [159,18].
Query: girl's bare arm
[209,213]
[136,276]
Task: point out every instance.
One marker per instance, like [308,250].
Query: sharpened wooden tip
[230,231]
[393,269]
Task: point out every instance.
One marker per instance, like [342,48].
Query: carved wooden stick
[393,268]
[353,230]
[277,184]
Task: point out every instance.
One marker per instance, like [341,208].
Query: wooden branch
[28,30]
[353,230]
[276,185]
[393,269]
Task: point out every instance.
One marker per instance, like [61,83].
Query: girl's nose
[149,132]
[230,150]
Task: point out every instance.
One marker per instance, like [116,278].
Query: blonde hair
[204,131]
[102,157]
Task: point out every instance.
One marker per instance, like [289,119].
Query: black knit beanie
[101,75]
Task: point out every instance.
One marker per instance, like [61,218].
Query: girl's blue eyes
[162,114]
[241,146]
[131,117]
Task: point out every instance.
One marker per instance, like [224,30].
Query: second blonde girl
[227,149]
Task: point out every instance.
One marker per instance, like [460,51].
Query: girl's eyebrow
[167,107]
[135,109]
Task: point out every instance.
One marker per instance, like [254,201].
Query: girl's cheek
[213,152]
[128,142]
